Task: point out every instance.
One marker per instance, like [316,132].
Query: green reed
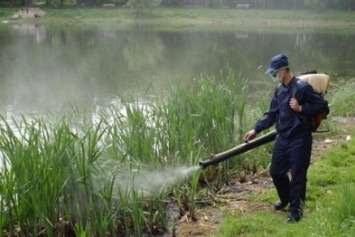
[198,118]
[77,174]
[83,230]
[124,220]
[32,181]
[193,190]
[137,214]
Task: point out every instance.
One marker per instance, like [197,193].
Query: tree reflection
[142,49]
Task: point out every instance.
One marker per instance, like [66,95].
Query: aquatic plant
[113,171]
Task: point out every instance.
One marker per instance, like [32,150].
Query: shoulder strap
[295,89]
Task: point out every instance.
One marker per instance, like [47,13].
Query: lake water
[53,68]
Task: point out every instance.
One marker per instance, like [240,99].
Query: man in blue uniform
[291,109]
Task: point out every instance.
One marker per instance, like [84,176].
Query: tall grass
[342,101]
[114,172]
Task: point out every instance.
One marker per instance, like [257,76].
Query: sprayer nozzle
[203,164]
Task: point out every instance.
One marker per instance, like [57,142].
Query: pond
[55,68]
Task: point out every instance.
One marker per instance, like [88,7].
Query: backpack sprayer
[319,82]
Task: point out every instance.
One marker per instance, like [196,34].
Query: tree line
[252,4]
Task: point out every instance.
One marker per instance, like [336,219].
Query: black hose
[269,137]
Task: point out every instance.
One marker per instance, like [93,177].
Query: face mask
[280,79]
[275,75]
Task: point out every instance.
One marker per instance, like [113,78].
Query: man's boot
[279,205]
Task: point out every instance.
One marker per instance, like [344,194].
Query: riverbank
[179,17]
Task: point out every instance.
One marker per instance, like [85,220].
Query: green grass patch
[342,98]
[260,223]
[330,205]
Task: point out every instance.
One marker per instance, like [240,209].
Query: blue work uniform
[293,143]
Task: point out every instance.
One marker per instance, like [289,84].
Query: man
[291,109]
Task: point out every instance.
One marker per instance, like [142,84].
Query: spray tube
[239,149]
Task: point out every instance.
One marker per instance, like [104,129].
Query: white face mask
[276,77]
[280,78]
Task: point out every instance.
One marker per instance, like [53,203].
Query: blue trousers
[291,154]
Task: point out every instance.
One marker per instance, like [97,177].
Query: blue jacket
[288,122]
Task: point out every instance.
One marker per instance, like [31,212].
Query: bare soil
[232,197]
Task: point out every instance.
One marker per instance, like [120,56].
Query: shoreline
[177,17]
[166,25]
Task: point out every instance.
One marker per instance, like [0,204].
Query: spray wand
[216,158]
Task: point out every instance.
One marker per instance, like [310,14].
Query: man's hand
[249,135]
[295,106]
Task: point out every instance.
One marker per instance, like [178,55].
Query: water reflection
[54,68]
[31,30]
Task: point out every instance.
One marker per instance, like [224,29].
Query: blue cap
[277,62]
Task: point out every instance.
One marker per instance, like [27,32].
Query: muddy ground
[234,195]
